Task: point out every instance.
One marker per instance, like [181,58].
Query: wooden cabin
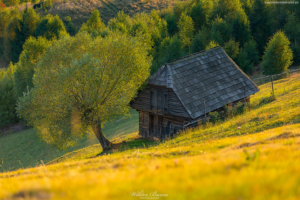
[182,91]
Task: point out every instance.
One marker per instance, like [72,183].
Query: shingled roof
[210,76]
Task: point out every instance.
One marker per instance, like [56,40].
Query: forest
[246,29]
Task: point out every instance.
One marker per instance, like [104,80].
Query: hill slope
[25,149]
[258,161]
[80,10]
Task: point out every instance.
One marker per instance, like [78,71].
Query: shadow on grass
[131,144]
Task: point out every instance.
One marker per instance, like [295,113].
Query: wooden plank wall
[142,102]
[144,122]
[175,106]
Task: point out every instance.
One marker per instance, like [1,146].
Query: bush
[215,117]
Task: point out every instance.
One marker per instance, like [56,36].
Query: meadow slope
[26,149]
[258,161]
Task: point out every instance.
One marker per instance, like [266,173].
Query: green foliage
[186,29]
[51,28]
[10,38]
[200,40]
[237,109]
[5,18]
[232,49]
[171,23]
[27,27]
[93,24]
[33,49]
[169,49]
[94,82]
[215,117]
[241,28]
[211,45]
[248,56]
[220,31]
[292,31]
[278,54]
[7,98]
[261,24]
[10,3]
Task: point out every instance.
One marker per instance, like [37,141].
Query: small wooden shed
[174,96]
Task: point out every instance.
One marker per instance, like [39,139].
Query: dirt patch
[12,129]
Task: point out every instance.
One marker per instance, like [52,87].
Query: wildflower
[37,168]
[113,150]
[155,148]
[239,127]
[175,161]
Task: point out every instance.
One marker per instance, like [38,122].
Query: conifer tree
[278,55]
[292,31]
[261,24]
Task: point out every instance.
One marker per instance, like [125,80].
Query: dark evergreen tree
[200,40]
[261,24]
[51,28]
[292,30]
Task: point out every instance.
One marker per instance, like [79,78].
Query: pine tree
[278,55]
[261,24]
[220,31]
[248,57]
[200,40]
[292,30]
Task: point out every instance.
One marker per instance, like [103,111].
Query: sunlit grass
[259,161]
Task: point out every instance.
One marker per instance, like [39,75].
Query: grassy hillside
[25,149]
[258,161]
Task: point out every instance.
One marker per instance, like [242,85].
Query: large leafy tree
[80,90]
[278,54]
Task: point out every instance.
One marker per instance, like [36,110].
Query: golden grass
[259,161]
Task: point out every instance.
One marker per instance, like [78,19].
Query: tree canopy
[85,88]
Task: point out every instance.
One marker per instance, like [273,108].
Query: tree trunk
[105,143]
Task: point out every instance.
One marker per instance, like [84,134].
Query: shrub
[215,117]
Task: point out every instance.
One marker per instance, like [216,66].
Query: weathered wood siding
[144,124]
[142,102]
[175,107]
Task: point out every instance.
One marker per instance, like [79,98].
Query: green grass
[259,161]
[26,149]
